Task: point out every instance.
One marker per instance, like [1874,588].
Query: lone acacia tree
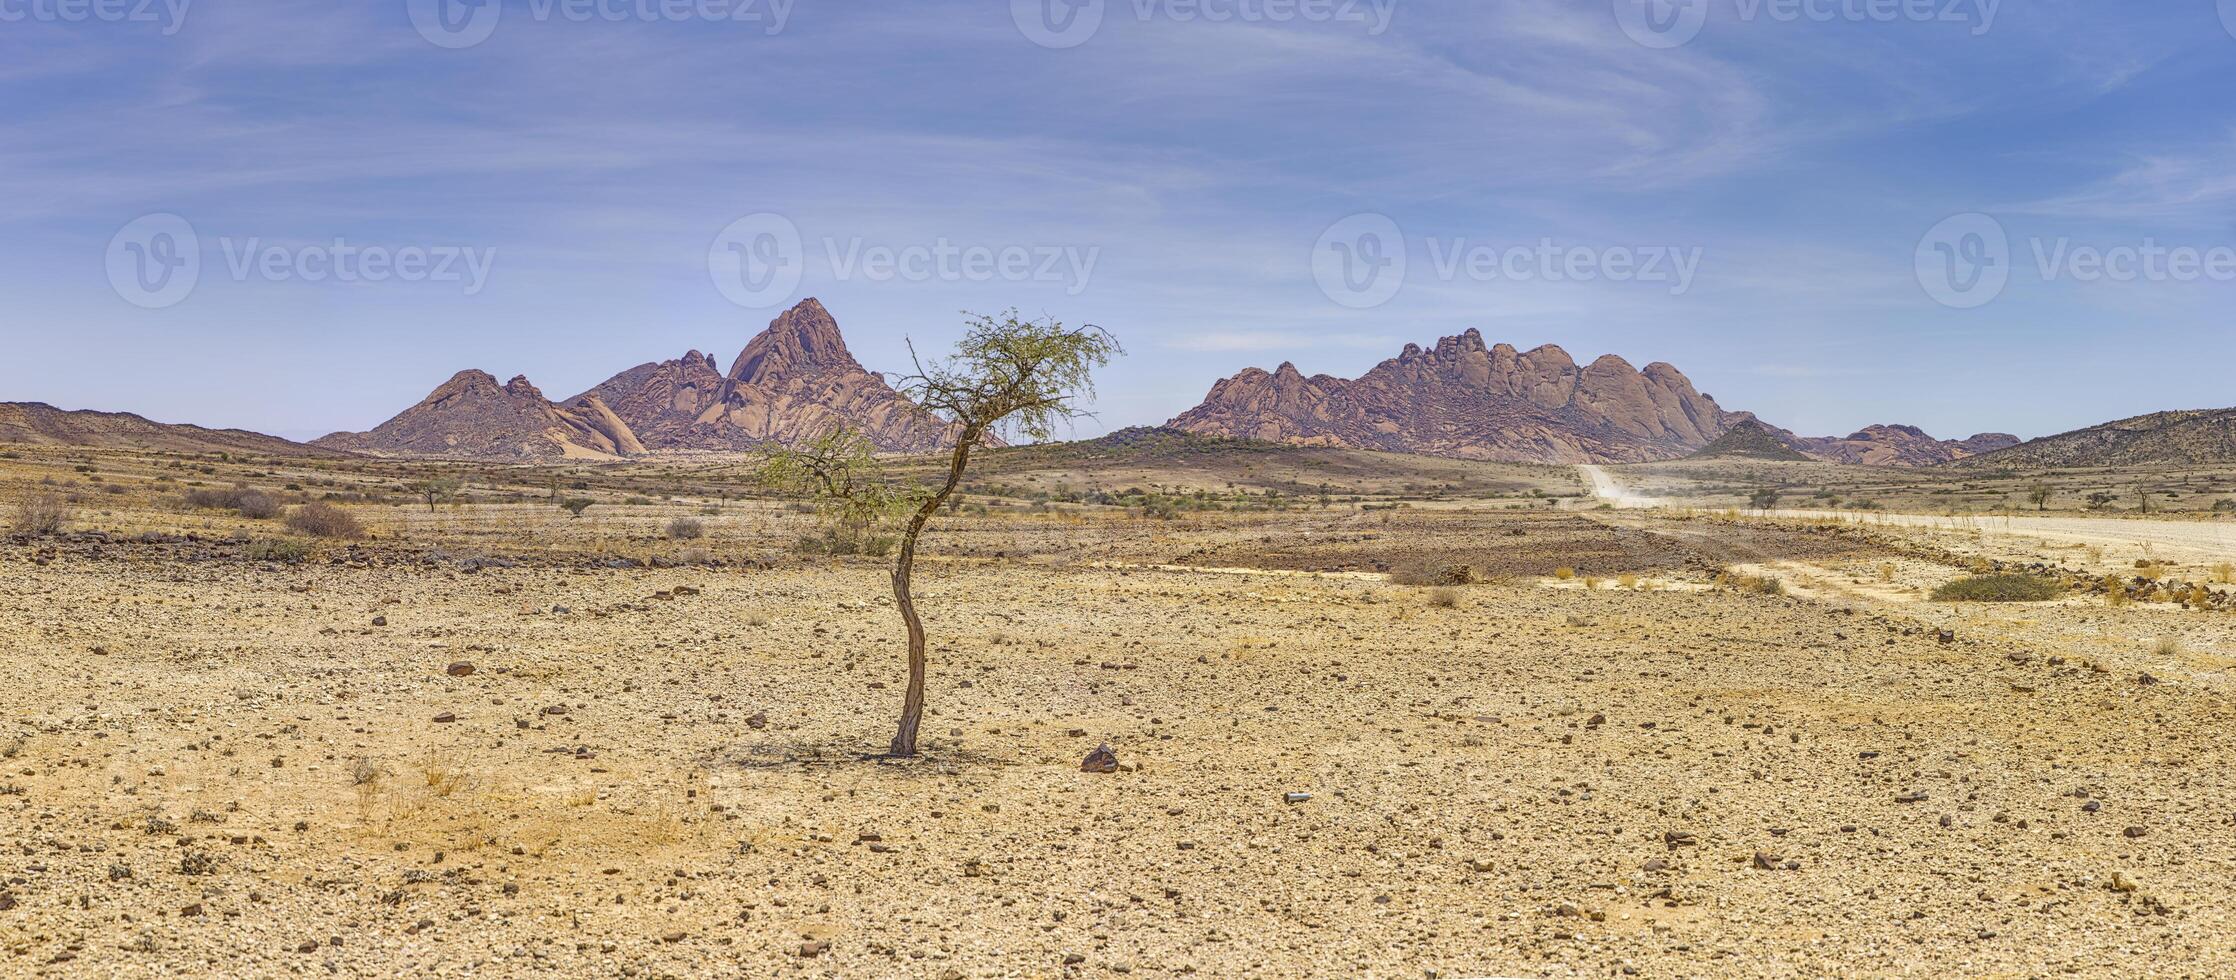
[1009,378]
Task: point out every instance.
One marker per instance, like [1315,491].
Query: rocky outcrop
[1749,438]
[1465,400]
[793,381]
[40,424]
[471,416]
[1902,445]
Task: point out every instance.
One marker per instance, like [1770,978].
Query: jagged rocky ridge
[792,381]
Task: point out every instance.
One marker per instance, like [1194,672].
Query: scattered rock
[1102,759]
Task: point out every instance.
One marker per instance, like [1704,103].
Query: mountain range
[792,381]
[1466,400]
[1463,399]
[1878,445]
[1459,398]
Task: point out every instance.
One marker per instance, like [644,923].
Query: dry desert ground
[494,740]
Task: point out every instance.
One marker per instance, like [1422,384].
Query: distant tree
[2039,494]
[576,505]
[1008,377]
[1764,499]
[2143,499]
[435,490]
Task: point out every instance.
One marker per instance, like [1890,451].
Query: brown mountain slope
[1464,400]
[1902,445]
[39,424]
[2186,437]
[471,416]
[792,381]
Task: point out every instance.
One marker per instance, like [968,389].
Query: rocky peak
[1461,398]
[804,338]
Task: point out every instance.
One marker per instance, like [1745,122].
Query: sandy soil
[401,759]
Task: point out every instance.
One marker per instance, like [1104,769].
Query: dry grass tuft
[324,520]
[43,514]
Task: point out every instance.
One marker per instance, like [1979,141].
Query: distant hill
[1465,400]
[1751,439]
[471,416]
[40,424]
[2186,437]
[1902,445]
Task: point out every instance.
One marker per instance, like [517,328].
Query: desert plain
[1674,739]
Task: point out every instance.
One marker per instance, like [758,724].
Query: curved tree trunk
[912,706]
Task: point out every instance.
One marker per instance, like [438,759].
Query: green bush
[1997,588]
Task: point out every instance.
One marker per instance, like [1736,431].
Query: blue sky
[1171,177]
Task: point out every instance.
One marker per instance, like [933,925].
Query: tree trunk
[912,705]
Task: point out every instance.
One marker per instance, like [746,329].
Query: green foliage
[1013,378]
[1997,588]
[839,473]
[435,490]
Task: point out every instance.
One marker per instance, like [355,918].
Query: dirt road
[2189,540]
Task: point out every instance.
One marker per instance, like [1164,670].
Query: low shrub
[43,514]
[687,529]
[288,550]
[1426,572]
[1997,588]
[252,504]
[324,520]
[1751,584]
